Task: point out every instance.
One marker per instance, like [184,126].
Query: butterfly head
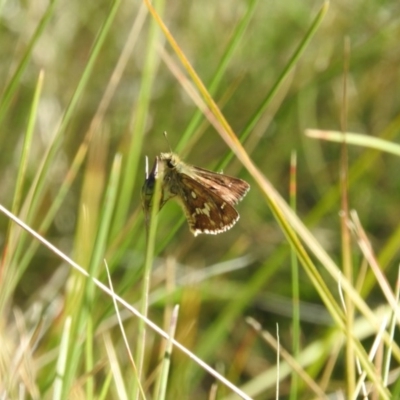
[170,160]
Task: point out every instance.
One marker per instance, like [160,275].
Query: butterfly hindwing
[205,211]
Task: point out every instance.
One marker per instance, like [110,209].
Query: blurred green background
[258,277]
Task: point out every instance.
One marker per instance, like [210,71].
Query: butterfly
[207,197]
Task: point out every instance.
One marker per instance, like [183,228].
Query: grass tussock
[299,300]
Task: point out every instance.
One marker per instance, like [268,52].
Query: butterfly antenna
[166,139]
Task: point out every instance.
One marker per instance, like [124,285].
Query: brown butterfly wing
[205,211]
[230,189]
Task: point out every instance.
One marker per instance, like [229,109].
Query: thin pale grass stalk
[371,356]
[345,233]
[366,248]
[115,368]
[139,118]
[59,382]
[121,326]
[11,88]
[294,384]
[392,329]
[124,303]
[290,360]
[161,387]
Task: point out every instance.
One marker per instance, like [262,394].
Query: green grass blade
[59,382]
[11,88]
[85,300]
[53,149]
[357,139]
[220,71]
[12,274]
[132,158]
[27,145]
[281,79]
[148,263]
[161,387]
[294,386]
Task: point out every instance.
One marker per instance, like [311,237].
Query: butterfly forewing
[230,189]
